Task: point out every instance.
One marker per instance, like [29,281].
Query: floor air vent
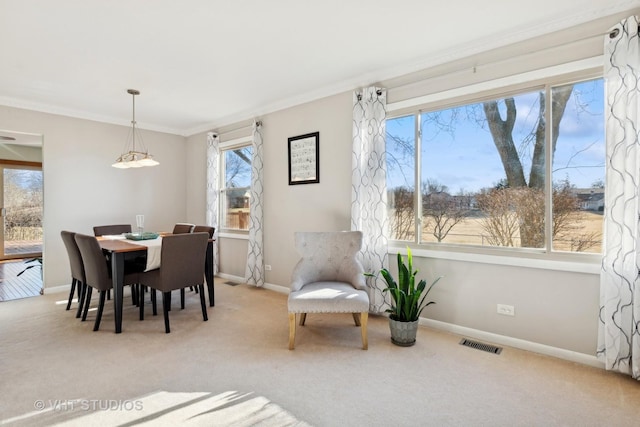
[481,346]
[231,283]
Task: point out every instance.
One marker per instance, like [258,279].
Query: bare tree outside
[441,210]
[402,216]
[237,178]
[512,212]
[23,201]
[400,159]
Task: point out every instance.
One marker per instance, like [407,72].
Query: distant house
[591,199]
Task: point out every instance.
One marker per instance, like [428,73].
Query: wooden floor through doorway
[28,284]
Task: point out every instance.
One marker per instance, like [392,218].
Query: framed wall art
[304,159]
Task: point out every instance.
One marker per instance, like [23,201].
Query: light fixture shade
[148,160]
[120,164]
[132,158]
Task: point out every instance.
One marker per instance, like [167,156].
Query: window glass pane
[578,166]
[237,167]
[401,153]
[482,173]
[236,194]
[23,211]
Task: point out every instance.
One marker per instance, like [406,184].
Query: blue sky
[459,151]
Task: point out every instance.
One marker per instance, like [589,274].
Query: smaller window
[235,193]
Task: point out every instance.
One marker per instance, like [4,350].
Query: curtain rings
[613,34]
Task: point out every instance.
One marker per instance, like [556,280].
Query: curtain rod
[611,33]
[474,68]
[257,122]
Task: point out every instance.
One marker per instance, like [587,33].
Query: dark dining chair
[77,269]
[182,227]
[107,230]
[182,260]
[199,229]
[204,229]
[96,274]
[130,265]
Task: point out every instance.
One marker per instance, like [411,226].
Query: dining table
[120,250]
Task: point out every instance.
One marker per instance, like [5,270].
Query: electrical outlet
[267,267]
[507,310]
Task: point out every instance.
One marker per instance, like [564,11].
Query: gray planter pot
[403,333]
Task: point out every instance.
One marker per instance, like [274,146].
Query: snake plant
[409,298]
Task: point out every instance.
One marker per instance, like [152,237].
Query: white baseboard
[277,288]
[547,350]
[270,286]
[57,289]
[230,277]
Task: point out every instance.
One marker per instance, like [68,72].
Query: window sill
[240,235]
[588,264]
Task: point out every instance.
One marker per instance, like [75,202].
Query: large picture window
[236,174]
[484,177]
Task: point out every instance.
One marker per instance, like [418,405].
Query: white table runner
[154,250]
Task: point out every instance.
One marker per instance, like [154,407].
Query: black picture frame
[304,159]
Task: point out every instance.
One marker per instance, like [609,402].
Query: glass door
[22,198]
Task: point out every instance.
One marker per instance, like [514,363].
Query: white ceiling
[200,64]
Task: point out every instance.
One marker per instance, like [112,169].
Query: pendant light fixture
[132,157]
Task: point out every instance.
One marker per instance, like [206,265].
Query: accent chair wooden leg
[303,318]
[356,318]
[292,330]
[364,317]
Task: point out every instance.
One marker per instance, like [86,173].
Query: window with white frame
[478,173]
[236,178]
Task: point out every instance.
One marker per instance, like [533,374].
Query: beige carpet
[236,370]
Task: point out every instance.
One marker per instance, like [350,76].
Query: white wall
[81,189]
[196,178]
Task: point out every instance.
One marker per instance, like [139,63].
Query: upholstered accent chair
[328,279]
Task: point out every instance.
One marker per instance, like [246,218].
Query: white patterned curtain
[213,189]
[369,186]
[254,273]
[618,335]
